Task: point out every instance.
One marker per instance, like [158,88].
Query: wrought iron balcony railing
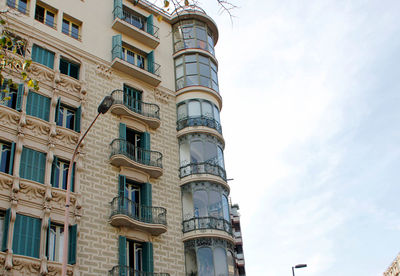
[130,271]
[136,21]
[207,223]
[199,121]
[136,154]
[145,109]
[147,214]
[202,168]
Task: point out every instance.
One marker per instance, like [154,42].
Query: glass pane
[64,168]
[63,67]
[216,114]
[231,264]
[210,152]
[203,59]
[50,19]
[206,109]
[214,204]
[182,112]
[52,244]
[191,68]
[194,109]
[220,157]
[60,120]
[196,152]
[178,46]
[191,263]
[184,154]
[140,61]
[192,80]
[205,261]
[5,157]
[179,60]
[220,261]
[225,208]
[187,33]
[74,30]
[70,119]
[190,58]
[200,203]
[205,81]
[179,71]
[74,71]
[201,33]
[187,205]
[180,83]
[22,6]
[204,70]
[65,26]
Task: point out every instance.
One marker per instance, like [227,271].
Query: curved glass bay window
[207,256]
[193,34]
[201,154]
[205,206]
[195,69]
[198,112]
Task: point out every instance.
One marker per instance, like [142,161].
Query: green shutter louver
[116,46]
[57,111]
[122,135]
[150,28]
[32,165]
[118,9]
[122,255]
[121,192]
[146,146]
[5,230]
[48,239]
[20,94]
[38,106]
[54,172]
[73,232]
[72,188]
[150,62]
[26,239]
[78,115]
[146,197]
[11,167]
[42,56]
[148,265]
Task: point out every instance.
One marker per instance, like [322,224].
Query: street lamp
[104,106]
[298,266]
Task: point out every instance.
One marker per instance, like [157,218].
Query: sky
[311,118]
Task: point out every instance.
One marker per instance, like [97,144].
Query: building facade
[394,268]
[237,234]
[149,192]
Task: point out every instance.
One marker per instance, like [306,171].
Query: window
[133,98]
[133,57]
[11,94]
[55,243]
[26,240]
[38,106]
[43,56]
[137,144]
[59,174]
[195,69]
[135,257]
[71,28]
[2,223]
[193,34]
[20,5]
[7,157]
[32,165]
[68,117]
[69,68]
[45,15]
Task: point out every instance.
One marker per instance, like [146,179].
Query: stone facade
[394,268]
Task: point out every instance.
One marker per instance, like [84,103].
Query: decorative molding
[37,127]
[104,71]
[65,137]
[42,73]
[69,85]
[26,265]
[8,118]
[32,191]
[161,96]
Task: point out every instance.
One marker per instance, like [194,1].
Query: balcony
[125,212]
[134,26]
[202,168]
[125,104]
[207,223]
[148,72]
[199,121]
[124,153]
[130,271]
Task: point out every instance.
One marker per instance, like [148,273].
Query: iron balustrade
[136,21]
[145,109]
[152,67]
[207,223]
[147,214]
[202,168]
[19,6]
[199,121]
[137,154]
[120,270]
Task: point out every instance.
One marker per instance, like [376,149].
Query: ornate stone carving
[5,182]
[69,85]
[41,73]
[26,266]
[66,138]
[8,119]
[37,128]
[33,192]
[161,96]
[104,71]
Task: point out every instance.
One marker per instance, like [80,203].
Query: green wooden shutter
[117,46]
[54,172]
[48,239]
[11,167]
[35,53]
[121,193]
[146,198]
[41,166]
[32,165]
[122,135]
[148,265]
[23,163]
[58,112]
[122,255]
[49,62]
[5,230]
[26,239]
[145,144]
[38,106]
[78,115]
[150,28]
[73,231]
[73,177]
[20,94]
[150,62]
[118,9]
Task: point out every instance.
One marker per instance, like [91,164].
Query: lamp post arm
[67,200]
[293,270]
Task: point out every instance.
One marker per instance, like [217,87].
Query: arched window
[205,261]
